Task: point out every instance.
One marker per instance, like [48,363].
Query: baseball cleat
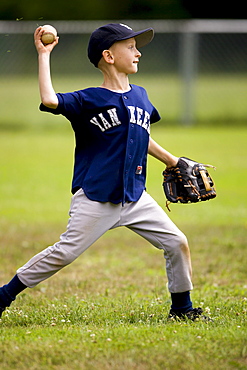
[194,315]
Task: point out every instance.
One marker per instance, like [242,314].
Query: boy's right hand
[41,48]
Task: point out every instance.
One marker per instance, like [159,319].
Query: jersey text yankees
[137,116]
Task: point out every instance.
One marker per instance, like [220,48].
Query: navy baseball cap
[104,37]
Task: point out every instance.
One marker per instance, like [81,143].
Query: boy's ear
[108,57]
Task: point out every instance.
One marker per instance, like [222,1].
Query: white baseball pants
[89,220]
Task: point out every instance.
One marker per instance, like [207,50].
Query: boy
[112,132]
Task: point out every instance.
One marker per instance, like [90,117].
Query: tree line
[110,10]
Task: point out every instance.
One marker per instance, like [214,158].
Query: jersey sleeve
[155,116]
[69,104]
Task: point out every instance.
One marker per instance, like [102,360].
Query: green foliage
[91,10]
[108,310]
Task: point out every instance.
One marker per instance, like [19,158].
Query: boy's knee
[183,241]
[180,244]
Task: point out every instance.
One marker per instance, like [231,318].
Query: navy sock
[9,291]
[181,302]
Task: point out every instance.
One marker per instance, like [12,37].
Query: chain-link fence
[198,66]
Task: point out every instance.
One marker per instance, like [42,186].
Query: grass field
[108,309]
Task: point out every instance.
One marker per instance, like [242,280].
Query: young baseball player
[112,132]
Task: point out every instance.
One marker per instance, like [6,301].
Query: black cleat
[194,315]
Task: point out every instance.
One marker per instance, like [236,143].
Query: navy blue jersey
[112,134]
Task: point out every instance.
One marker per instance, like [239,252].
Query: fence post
[188,70]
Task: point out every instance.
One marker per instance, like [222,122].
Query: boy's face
[126,56]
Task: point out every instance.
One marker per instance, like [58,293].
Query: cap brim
[142,38]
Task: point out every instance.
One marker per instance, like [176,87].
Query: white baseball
[49,35]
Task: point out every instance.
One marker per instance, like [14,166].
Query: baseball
[49,35]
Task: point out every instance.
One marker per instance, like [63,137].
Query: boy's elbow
[50,103]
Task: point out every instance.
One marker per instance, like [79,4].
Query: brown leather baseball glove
[188,182]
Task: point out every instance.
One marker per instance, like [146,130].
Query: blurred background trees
[127,9]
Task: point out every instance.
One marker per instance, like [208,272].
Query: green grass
[108,309]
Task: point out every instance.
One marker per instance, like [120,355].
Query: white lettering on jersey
[106,124]
[146,121]
[103,124]
[96,122]
[139,117]
[132,114]
[139,113]
[114,118]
